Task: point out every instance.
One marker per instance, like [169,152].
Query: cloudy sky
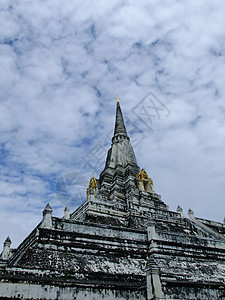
[62,64]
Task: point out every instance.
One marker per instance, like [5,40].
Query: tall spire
[121,152]
[120,129]
[117,184]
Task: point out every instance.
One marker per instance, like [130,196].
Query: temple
[122,243]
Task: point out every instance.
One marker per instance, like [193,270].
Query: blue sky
[62,65]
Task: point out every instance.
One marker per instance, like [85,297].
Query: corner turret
[47,217]
[66,213]
[6,249]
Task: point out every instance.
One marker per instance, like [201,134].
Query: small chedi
[123,242]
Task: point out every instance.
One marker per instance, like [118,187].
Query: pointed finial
[67,213]
[8,241]
[120,129]
[47,217]
[117,99]
[191,214]
[180,211]
[6,249]
[48,208]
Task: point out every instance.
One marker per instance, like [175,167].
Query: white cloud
[62,65]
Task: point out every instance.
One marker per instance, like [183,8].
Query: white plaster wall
[28,291]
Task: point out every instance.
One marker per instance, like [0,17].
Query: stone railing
[25,244]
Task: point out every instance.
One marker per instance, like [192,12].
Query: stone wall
[36,291]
